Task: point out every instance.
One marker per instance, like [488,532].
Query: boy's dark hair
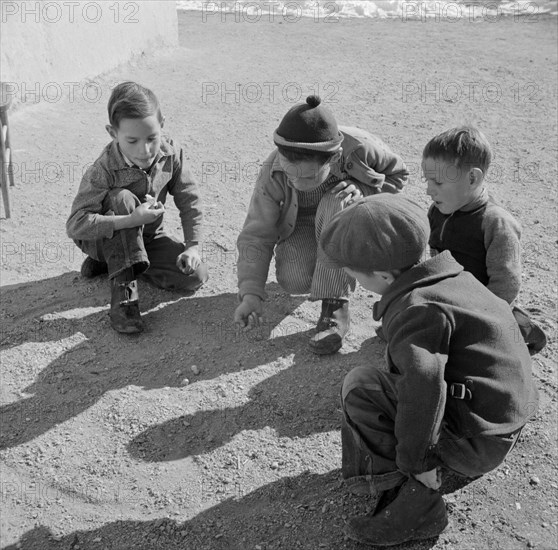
[131,100]
[464,146]
[297,155]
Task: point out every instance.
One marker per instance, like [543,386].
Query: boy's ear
[337,156]
[387,276]
[111,131]
[163,122]
[476,176]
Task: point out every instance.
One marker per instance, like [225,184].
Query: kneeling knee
[294,286]
[121,201]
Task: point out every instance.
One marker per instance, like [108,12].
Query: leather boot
[416,513]
[93,268]
[533,335]
[332,326]
[124,305]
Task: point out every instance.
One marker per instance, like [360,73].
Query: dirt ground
[111,442]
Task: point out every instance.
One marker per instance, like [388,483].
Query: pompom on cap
[309,125]
[313,100]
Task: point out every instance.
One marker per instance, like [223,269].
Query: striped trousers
[297,266]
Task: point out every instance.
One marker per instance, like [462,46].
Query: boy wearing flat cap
[458,387]
[316,169]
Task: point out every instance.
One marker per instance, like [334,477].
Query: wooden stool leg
[6,162]
[8,146]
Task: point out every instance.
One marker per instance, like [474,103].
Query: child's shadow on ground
[299,399]
[308,508]
[83,358]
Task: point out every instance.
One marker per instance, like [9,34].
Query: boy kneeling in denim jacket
[457,389]
[117,214]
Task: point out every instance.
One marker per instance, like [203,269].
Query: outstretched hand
[189,260]
[147,212]
[248,314]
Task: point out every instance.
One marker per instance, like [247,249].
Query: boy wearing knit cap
[458,387]
[316,170]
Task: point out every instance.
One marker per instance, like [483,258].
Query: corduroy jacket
[444,327]
[274,204]
[169,175]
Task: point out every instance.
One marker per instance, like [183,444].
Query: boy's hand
[248,314]
[146,213]
[432,478]
[189,260]
[347,193]
[153,204]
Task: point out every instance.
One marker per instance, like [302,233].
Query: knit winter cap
[309,125]
[377,233]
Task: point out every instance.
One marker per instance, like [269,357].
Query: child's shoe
[92,268]
[124,306]
[332,326]
[533,335]
[416,513]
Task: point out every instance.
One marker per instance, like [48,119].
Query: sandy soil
[105,445]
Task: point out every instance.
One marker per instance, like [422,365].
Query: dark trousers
[147,249]
[369,400]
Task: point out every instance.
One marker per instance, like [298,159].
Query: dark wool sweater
[484,239]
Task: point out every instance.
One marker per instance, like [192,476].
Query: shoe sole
[321,349]
[128,331]
[326,346]
[422,536]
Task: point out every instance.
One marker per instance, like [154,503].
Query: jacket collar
[481,200]
[275,166]
[117,161]
[426,273]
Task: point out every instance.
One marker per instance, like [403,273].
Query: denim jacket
[168,175]
[274,204]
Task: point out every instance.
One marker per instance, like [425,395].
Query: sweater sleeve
[184,189]
[258,237]
[418,350]
[502,234]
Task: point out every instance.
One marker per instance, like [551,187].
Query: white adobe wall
[67,41]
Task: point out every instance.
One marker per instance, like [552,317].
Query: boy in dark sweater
[457,390]
[464,219]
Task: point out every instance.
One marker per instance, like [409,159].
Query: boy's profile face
[375,281]
[450,187]
[305,175]
[139,139]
